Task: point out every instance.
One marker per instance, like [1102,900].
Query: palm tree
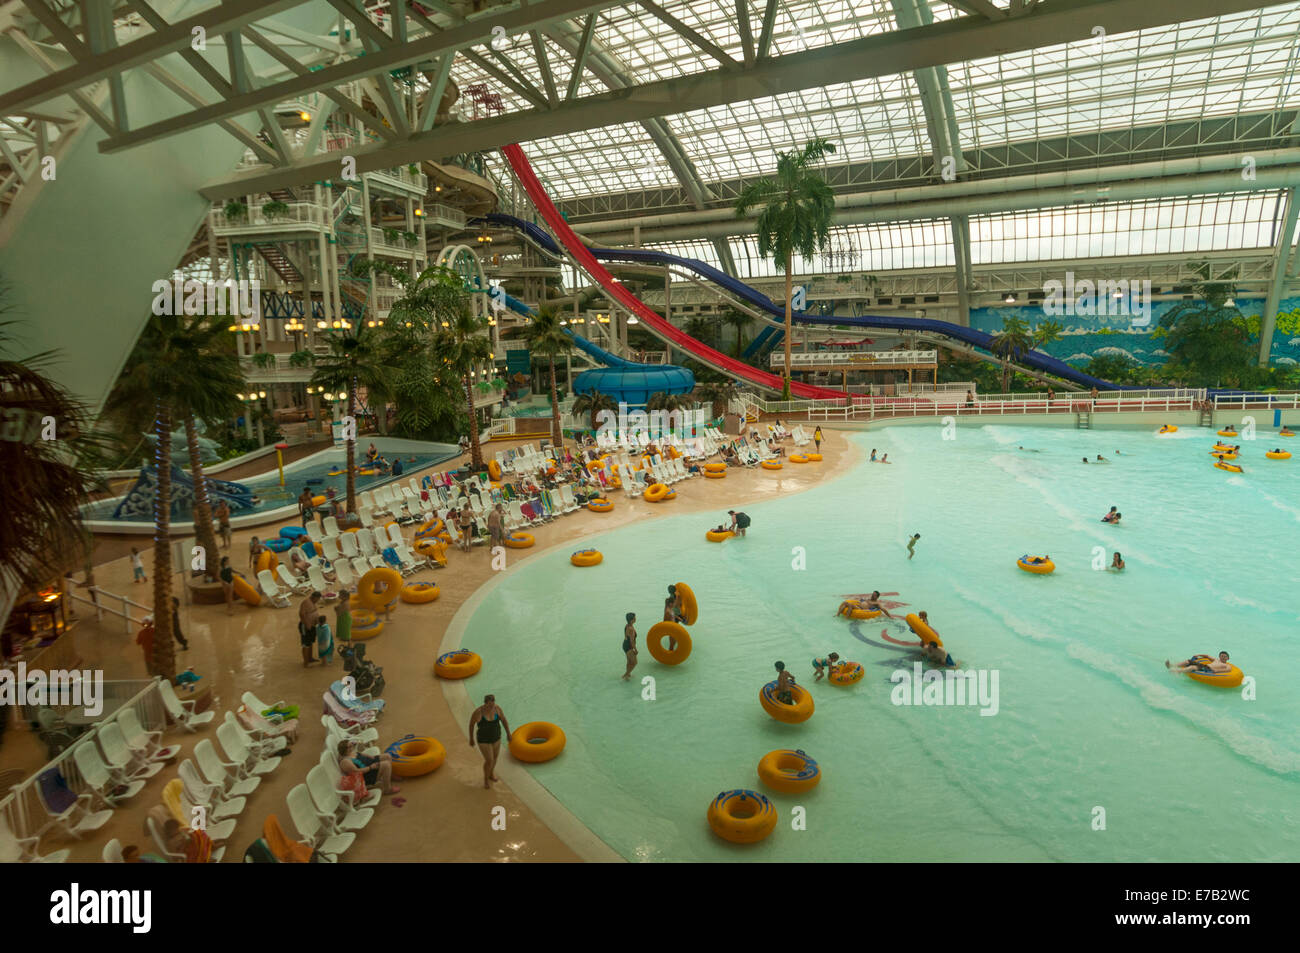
[593,404]
[462,345]
[719,393]
[1008,344]
[47,481]
[207,378]
[546,337]
[354,360]
[796,218]
[739,321]
[702,329]
[163,369]
[1046,333]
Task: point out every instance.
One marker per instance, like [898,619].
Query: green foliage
[1208,340]
[302,359]
[273,208]
[235,210]
[593,404]
[263,359]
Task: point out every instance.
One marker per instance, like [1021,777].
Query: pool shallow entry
[1085,717]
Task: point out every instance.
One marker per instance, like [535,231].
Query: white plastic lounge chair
[331,525]
[316,579]
[332,803]
[210,797]
[22,850]
[113,852]
[266,582]
[248,763]
[182,712]
[265,745]
[343,572]
[145,743]
[119,755]
[223,773]
[348,545]
[310,824]
[71,812]
[290,581]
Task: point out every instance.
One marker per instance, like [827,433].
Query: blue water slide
[1036,360]
[621,379]
[767,338]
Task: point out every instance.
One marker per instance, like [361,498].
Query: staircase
[1207,418]
[1083,421]
[274,256]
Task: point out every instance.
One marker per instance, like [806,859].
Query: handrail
[863,358]
[101,609]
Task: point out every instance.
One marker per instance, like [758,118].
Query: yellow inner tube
[519,540]
[368,593]
[770,465]
[847,673]
[1039,569]
[923,631]
[318,500]
[1167,428]
[413,756]
[420,592]
[1228,433]
[462,663]
[742,817]
[536,741]
[1230,467]
[659,633]
[715,474]
[857,609]
[586,557]
[435,549]
[715,468]
[814,457]
[494,470]
[432,528]
[1223,454]
[267,560]
[716,537]
[801,710]
[789,771]
[655,492]
[690,608]
[600,505]
[1229,679]
[366,625]
[1274,455]
[798,458]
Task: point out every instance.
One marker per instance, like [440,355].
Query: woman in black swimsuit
[485,726]
[629,644]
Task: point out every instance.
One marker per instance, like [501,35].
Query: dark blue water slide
[1036,360]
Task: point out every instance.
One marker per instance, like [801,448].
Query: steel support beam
[513,20]
[223,18]
[1281,256]
[874,56]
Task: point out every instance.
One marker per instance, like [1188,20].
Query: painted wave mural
[1088,335]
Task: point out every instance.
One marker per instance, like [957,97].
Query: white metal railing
[23,810]
[864,358]
[281,370]
[1286,400]
[379,240]
[444,215]
[402,176]
[105,603]
[297,213]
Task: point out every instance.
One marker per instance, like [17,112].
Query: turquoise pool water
[272,496]
[1088,718]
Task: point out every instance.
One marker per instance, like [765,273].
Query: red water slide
[542,202]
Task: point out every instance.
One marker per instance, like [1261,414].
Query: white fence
[866,359]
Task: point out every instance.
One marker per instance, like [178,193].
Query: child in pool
[823,665]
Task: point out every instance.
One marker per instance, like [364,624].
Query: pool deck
[448,816]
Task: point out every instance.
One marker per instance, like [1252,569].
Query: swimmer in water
[1101,459]
[823,665]
[1027,450]
[1085,459]
[1218,666]
[873,454]
[911,545]
[629,644]
[1117,563]
[784,684]
[935,653]
[873,603]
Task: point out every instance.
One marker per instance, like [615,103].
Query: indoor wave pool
[1095,752]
